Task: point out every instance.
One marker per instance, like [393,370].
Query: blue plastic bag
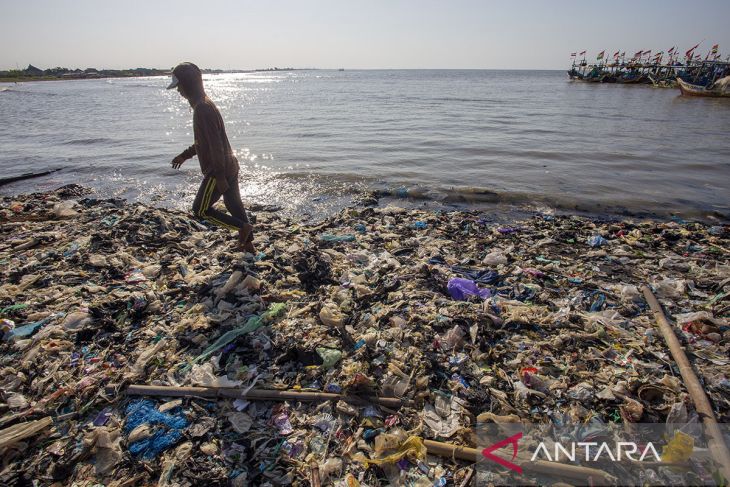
[168,431]
[460,289]
[596,241]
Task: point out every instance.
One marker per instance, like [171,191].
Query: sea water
[309,141]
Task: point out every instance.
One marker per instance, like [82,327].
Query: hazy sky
[348,33]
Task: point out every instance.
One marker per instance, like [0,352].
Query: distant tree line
[32,72]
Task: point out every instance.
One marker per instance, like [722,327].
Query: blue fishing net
[168,431]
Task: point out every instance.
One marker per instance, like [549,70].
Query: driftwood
[316,479]
[588,475]
[717,447]
[21,431]
[261,395]
[29,175]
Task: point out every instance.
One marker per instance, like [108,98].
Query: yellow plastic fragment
[413,448]
[678,449]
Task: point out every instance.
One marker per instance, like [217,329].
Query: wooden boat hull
[630,81]
[689,89]
[574,74]
[659,82]
[608,78]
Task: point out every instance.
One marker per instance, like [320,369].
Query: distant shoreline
[132,74]
[6,79]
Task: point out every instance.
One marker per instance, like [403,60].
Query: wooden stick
[715,442]
[28,175]
[21,431]
[260,395]
[316,480]
[468,477]
[599,477]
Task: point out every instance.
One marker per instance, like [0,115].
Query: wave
[92,141]
[11,89]
[489,199]
[156,86]
[483,198]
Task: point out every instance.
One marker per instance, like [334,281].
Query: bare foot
[245,234]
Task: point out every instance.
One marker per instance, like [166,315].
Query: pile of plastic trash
[463,319]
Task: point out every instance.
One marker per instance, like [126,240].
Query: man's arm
[184,156]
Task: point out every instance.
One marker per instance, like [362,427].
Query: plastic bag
[461,289]
[331,315]
[330,356]
[413,449]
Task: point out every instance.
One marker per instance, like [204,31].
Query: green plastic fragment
[328,237]
[330,356]
[12,307]
[253,324]
[717,298]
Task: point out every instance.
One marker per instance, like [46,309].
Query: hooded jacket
[211,142]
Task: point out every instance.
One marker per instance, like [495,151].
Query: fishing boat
[698,77]
[608,77]
[660,81]
[720,88]
[575,74]
[630,77]
[595,75]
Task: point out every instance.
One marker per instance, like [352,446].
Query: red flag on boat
[637,55]
[670,51]
[690,53]
[615,54]
[582,53]
[712,52]
[572,54]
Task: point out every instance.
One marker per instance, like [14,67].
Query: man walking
[217,162]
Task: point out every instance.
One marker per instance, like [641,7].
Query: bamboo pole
[559,470]
[716,443]
[260,395]
[29,175]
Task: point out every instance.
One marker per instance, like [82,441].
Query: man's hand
[177,162]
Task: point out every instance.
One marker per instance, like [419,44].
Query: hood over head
[189,76]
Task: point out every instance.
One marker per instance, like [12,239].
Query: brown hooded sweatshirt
[211,142]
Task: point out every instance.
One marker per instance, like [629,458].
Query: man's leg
[232,200]
[203,206]
[206,192]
